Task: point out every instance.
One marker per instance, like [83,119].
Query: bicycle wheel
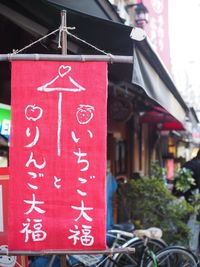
[174,257]
[133,260]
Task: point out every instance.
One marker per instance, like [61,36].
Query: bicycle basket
[88,260]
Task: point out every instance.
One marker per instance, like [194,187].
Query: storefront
[138,90]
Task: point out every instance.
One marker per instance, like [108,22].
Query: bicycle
[123,236]
[134,239]
[146,243]
[146,256]
[174,256]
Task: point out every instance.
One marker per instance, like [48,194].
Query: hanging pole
[127,250]
[64,57]
[64,31]
[63,261]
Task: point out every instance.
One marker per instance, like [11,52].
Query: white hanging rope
[61,29]
[37,41]
[15,55]
[83,41]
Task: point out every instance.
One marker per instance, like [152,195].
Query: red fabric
[176,125]
[164,120]
[58,156]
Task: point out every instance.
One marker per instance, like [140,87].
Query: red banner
[58,156]
[6,261]
[157,29]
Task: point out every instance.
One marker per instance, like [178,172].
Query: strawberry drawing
[84,113]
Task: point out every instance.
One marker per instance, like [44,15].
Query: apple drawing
[84,113]
[33,112]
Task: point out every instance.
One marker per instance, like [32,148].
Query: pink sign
[58,156]
[157,28]
[170,169]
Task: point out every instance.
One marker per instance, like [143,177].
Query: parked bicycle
[146,256]
[174,256]
[124,237]
[146,243]
[149,251]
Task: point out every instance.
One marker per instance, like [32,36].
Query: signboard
[6,261]
[3,201]
[58,156]
[5,120]
[170,169]
[157,29]
[196,134]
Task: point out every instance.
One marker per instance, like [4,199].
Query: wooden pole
[64,57]
[63,261]
[126,250]
[64,31]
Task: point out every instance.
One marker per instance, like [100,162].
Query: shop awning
[147,71]
[162,120]
[146,77]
